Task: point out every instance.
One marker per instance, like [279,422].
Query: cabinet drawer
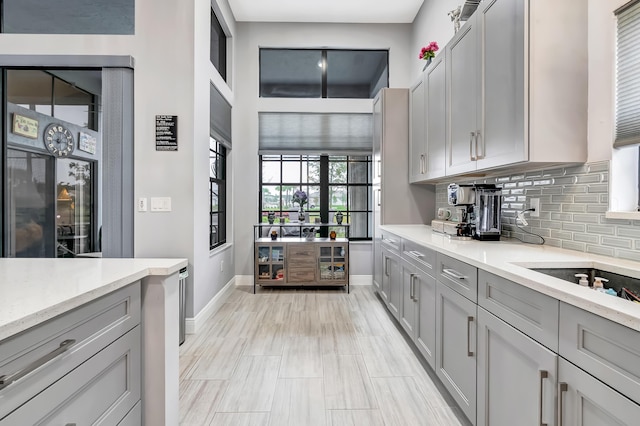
[92,326]
[607,350]
[301,252]
[391,242]
[301,275]
[421,256]
[535,314]
[458,275]
[101,390]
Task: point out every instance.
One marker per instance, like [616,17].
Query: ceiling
[344,11]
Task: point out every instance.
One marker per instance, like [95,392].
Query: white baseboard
[193,325]
[360,279]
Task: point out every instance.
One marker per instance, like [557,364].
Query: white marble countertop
[35,290]
[510,259]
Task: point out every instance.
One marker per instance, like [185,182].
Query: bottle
[598,284]
[583,281]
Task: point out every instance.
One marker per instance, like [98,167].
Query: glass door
[74,207]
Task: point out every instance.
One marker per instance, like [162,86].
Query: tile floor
[306,357]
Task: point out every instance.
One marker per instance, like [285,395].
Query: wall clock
[58,140]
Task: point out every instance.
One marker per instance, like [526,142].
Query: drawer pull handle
[543,375]
[64,346]
[453,273]
[562,388]
[416,253]
[469,351]
[389,240]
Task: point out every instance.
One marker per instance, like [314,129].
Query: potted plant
[300,198]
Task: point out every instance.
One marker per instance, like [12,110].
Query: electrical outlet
[534,203]
[142,204]
[222,266]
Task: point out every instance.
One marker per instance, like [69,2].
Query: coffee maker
[478,207]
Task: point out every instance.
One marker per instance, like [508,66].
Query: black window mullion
[324,194]
[324,74]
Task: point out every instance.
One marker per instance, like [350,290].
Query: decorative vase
[428,62]
[271,217]
[301,215]
[339,217]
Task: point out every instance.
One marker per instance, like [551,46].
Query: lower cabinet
[425,338]
[391,288]
[456,347]
[585,401]
[408,302]
[516,376]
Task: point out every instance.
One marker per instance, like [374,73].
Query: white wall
[252,36]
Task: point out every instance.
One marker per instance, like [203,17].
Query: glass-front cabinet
[270,263]
[332,262]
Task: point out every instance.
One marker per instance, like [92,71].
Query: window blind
[315,133]
[219,117]
[627,76]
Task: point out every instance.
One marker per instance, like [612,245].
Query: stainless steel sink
[616,281]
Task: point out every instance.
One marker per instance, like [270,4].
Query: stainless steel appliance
[477,211]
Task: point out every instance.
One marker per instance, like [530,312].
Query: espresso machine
[477,210]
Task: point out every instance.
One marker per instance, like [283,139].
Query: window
[323,73]
[68,17]
[218,46]
[625,196]
[217,194]
[332,183]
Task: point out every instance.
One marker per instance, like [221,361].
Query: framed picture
[25,126]
[87,143]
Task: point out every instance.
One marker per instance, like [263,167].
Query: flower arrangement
[429,51]
[300,197]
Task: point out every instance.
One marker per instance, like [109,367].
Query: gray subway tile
[525,183]
[604,177]
[616,242]
[575,208]
[605,251]
[518,191]
[534,223]
[509,185]
[626,254]
[509,199]
[563,235]
[628,232]
[614,222]
[574,227]
[532,191]
[551,190]
[541,231]
[543,182]
[602,166]
[534,174]
[517,206]
[522,199]
[587,238]
[553,172]
[598,188]
[572,245]
[586,218]
[551,207]
[562,198]
[553,242]
[587,198]
[596,178]
[517,177]
[562,216]
[565,180]
[577,170]
[503,179]
[604,198]
[596,208]
[574,189]
[550,224]
[599,229]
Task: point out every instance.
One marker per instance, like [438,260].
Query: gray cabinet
[409,302]
[456,347]
[458,275]
[585,401]
[516,376]
[425,332]
[391,287]
[436,119]
[390,185]
[417,139]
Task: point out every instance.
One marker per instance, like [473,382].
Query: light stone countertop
[35,290]
[510,259]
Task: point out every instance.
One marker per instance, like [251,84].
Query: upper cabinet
[516,90]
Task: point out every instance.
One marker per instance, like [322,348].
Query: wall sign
[25,126]
[87,143]
[166,132]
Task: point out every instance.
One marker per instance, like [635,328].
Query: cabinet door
[408,305]
[462,83]
[377,138]
[391,281]
[585,401]
[378,261]
[516,376]
[426,325]
[502,98]
[417,134]
[436,119]
[456,346]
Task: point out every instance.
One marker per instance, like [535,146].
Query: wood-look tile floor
[286,357]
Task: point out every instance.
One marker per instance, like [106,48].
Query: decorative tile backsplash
[573,202]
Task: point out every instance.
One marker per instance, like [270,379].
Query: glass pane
[359,226]
[311,171]
[74,205]
[30,211]
[214,197]
[338,171]
[218,47]
[287,196]
[291,171]
[71,104]
[288,73]
[271,172]
[68,17]
[270,197]
[30,89]
[358,172]
[358,197]
[356,73]
[214,235]
[337,198]
[313,192]
[213,164]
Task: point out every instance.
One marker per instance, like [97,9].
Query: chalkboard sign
[166,132]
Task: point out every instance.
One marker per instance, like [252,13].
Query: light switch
[142,204]
[160,204]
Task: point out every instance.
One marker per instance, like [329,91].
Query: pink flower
[429,51]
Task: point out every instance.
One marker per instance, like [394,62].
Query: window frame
[219,151]
[221,45]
